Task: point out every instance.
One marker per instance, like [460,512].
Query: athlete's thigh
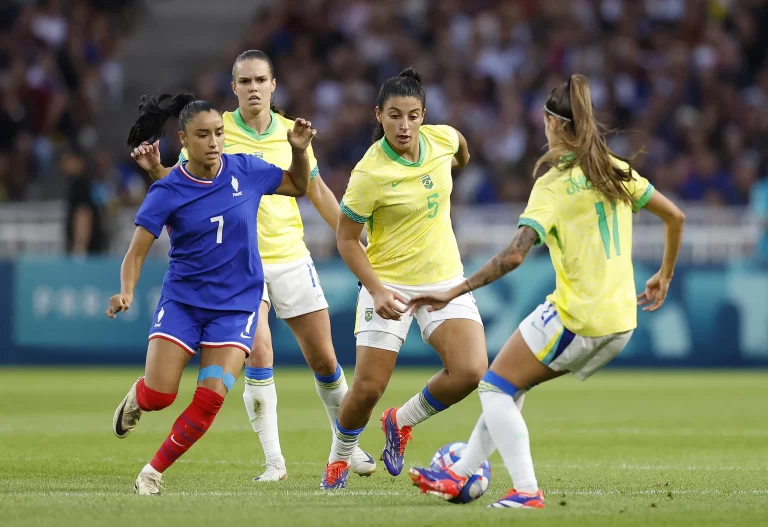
[517,364]
[373,367]
[313,333]
[460,343]
[164,365]
[174,337]
[261,351]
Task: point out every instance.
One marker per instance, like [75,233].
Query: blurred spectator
[686,79]
[89,197]
[58,66]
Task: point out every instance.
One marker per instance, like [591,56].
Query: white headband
[550,112]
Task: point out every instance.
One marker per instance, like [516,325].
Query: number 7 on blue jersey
[220,229]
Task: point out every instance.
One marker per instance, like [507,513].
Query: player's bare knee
[473,374]
[261,355]
[368,391]
[214,385]
[323,362]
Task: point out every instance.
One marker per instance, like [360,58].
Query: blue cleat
[441,483]
[335,476]
[520,500]
[393,454]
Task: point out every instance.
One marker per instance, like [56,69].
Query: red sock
[188,428]
[149,400]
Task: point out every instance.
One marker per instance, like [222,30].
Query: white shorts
[373,331]
[562,350]
[293,288]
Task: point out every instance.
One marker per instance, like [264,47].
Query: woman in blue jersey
[212,290]
[291,284]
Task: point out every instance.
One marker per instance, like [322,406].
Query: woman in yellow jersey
[401,191]
[582,209]
[291,282]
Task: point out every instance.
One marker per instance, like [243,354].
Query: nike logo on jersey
[244,334]
[174,440]
[396,183]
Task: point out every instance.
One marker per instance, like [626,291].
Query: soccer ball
[478,483]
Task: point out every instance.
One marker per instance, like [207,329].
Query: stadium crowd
[59,65]
[686,80]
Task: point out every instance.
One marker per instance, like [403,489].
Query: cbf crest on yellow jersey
[590,242]
[280,229]
[406,207]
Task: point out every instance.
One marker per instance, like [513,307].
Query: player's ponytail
[580,141]
[406,84]
[154,112]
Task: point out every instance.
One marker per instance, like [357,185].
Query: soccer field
[639,448]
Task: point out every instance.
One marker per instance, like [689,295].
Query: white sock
[331,389]
[260,398]
[418,409]
[479,448]
[149,468]
[344,443]
[510,435]
[520,399]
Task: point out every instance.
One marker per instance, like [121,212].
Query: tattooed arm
[506,261]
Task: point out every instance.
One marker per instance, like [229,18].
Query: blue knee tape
[228,380]
[217,372]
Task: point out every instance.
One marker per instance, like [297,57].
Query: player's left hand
[655,293]
[433,301]
[301,135]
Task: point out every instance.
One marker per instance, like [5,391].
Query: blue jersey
[215,261]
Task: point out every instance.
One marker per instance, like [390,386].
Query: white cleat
[275,472]
[148,483]
[127,414]
[362,463]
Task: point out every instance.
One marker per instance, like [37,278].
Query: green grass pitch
[623,449]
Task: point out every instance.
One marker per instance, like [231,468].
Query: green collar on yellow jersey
[250,131]
[394,156]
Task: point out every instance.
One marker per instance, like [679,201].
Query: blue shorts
[193,327]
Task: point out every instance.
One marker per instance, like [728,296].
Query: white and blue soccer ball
[478,483]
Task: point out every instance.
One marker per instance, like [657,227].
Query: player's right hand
[147,156]
[655,293]
[118,303]
[388,304]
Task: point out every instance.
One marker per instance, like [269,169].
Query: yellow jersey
[590,243]
[280,229]
[406,207]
